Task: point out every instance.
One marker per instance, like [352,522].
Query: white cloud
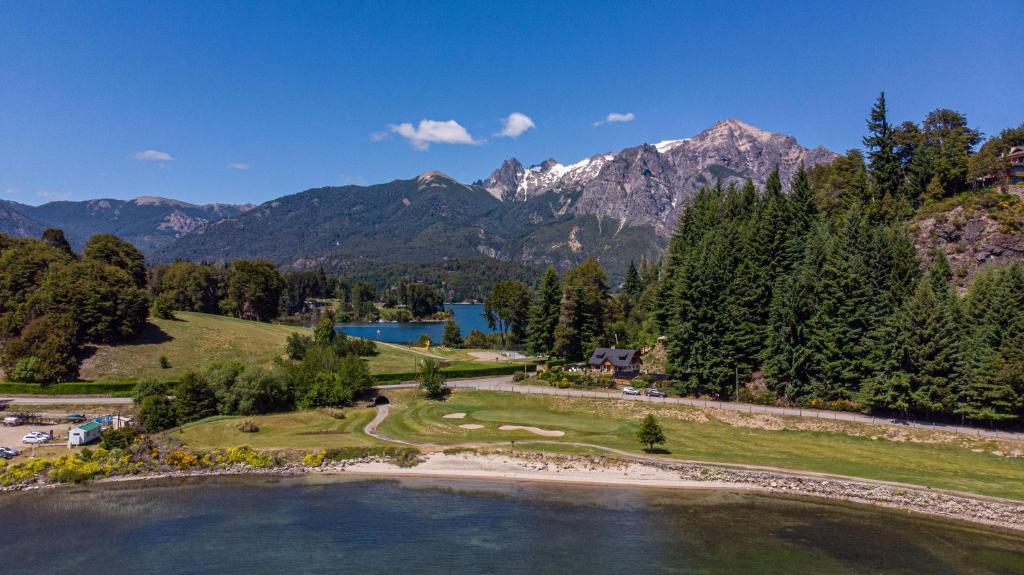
[153,156]
[239,165]
[379,136]
[514,125]
[433,132]
[616,117]
[11,191]
[53,196]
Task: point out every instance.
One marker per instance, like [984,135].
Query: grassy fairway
[692,435]
[298,430]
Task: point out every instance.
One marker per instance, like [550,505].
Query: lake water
[469,316]
[315,524]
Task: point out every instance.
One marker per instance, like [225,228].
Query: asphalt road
[504,383]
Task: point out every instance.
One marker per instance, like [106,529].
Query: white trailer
[83,434]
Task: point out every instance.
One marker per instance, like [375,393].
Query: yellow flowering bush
[246,455]
[314,459]
[18,473]
[181,459]
[73,468]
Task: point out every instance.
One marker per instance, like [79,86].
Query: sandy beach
[996,512]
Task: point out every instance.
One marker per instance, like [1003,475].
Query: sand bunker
[455,416]
[535,430]
[471,426]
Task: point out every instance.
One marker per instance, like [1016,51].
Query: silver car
[36,437]
[7,452]
[630,391]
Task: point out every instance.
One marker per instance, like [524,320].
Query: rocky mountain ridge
[647,184]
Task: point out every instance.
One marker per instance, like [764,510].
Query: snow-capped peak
[666,145]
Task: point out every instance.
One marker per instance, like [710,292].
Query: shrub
[20,473]
[75,468]
[246,455]
[181,459]
[162,308]
[157,413]
[432,381]
[117,438]
[248,426]
[194,398]
[164,362]
[518,376]
[314,459]
[297,345]
[424,341]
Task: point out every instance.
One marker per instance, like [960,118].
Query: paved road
[504,383]
[64,400]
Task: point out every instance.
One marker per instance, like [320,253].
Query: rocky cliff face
[647,184]
[970,238]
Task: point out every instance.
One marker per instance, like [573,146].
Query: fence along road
[505,384]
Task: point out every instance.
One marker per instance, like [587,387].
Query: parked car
[76,417]
[630,391]
[35,437]
[655,392]
[7,452]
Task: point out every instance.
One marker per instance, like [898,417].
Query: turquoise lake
[469,316]
[255,525]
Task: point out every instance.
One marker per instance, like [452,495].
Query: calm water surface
[469,316]
[329,525]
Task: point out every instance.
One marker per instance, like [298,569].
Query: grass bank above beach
[884,453]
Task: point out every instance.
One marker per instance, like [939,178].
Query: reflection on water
[332,525]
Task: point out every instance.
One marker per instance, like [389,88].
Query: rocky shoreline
[627,472]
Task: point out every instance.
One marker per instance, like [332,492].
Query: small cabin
[611,360]
[84,434]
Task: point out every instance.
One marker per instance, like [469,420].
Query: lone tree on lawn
[650,433]
[432,380]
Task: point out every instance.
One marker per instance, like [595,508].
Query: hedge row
[455,373]
[113,388]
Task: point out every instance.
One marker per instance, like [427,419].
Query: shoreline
[625,473]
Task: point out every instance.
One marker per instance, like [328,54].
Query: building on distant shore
[1015,170]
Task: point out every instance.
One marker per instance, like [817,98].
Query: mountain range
[148,222]
[614,206]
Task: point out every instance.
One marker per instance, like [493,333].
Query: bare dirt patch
[471,426]
[455,416]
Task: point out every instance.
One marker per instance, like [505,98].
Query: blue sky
[244,102]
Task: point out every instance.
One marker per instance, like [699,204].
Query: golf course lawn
[298,430]
[692,435]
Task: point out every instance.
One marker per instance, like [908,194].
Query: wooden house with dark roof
[613,361]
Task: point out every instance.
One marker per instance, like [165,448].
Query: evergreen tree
[566,340]
[927,356]
[544,314]
[631,285]
[789,368]
[650,433]
[845,314]
[884,165]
